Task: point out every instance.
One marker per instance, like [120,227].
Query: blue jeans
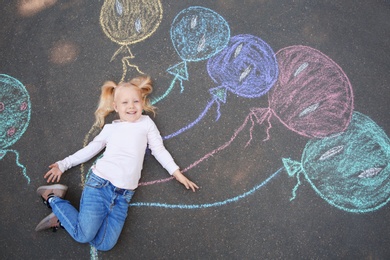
[103,211]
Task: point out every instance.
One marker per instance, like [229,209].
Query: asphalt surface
[60,53]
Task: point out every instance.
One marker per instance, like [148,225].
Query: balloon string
[192,123]
[94,253]
[19,164]
[222,147]
[121,49]
[264,114]
[125,63]
[218,111]
[294,191]
[155,100]
[207,205]
[250,130]
[181,85]
[125,60]
[132,65]
[269,114]
[270,111]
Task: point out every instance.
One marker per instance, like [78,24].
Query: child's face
[128,103]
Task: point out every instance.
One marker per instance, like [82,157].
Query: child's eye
[136,101]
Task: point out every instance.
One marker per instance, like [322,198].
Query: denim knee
[83,239]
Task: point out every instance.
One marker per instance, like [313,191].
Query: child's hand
[54,174]
[185,181]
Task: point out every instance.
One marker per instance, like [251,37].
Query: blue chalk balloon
[197,33]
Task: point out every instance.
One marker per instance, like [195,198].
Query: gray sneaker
[47,191]
[50,221]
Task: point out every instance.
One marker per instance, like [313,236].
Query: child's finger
[49,178]
[186,185]
[191,185]
[47,174]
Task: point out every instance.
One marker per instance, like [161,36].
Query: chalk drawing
[127,22]
[251,117]
[349,170]
[207,205]
[94,253]
[312,97]
[15,111]
[197,33]
[246,67]
[334,96]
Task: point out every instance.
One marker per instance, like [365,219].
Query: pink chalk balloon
[312,96]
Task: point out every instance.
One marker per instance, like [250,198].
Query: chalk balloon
[130,21]
[247,66]
[349,170]
[197,33]
[15,110]
[313,95]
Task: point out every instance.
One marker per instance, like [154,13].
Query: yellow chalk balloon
[127,22]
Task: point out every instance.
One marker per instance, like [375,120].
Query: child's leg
[94,207]
[83,225]
[103,211]
[112,226]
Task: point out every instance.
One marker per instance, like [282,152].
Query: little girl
[113,179]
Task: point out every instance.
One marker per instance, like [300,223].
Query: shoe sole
[42,189]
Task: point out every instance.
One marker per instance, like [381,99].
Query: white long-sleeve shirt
[125,144]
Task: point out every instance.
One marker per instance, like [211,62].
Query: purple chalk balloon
[246,67]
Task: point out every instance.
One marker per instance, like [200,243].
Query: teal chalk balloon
[14,110]
[349,170]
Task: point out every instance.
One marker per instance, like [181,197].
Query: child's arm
[81,156]
[184,180]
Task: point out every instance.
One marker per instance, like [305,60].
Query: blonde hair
[106,102]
